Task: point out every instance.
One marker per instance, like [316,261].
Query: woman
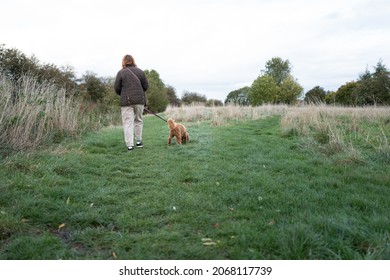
[131,84]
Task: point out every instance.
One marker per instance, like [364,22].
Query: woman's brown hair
[128,60]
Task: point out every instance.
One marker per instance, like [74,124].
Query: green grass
[253,191]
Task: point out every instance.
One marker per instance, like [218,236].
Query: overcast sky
[211,47]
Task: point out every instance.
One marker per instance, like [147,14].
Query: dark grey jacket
[131,86]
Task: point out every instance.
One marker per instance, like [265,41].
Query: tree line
[371,88]
[276,85]
[90,87]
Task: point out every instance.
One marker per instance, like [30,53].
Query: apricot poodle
[177,130]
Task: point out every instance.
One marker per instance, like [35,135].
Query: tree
[374,88]
[171,95]
[213,103]
[315,95]
[330,97]
[110,99]
[157,92]
[364,91]
[381,84]
[192,97]
[263,90]
[276,85]
[93,86]
[14,64]
[347,94]
[238,97]
[289,91]
[63,77]
[278,69]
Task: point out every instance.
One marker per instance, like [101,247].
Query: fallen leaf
[216,225]
[259,198]
[68,200]
[272,222]
[91,205]
[114,255]
[232,209]
[174,208]
[206,239]
[61,226]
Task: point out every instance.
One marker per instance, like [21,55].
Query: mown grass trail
[241,191]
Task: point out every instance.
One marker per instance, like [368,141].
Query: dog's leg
[184,138]
[178,138]
[170,138]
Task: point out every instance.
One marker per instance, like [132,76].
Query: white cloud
[212,47]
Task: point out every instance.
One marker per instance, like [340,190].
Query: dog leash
[153,113]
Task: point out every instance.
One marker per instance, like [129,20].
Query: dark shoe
[130,148]
[139,144]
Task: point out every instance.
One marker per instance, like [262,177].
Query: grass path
[241,191]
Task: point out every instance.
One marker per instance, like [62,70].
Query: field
[273,182]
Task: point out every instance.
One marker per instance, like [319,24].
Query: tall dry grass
[341,129]
[32,113]
[221,115]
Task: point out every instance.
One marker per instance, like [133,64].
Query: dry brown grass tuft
[339,128]
[33,112]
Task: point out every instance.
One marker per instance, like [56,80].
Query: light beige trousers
[132,123]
